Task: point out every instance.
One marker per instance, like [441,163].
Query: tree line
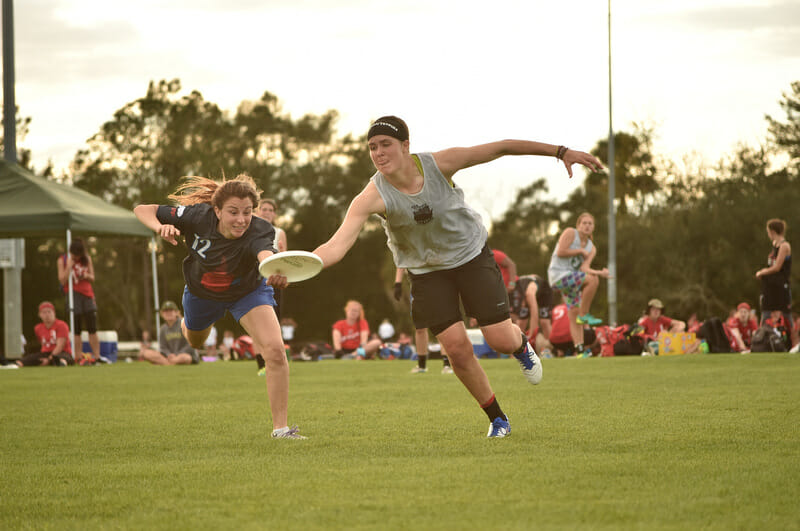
[689,233]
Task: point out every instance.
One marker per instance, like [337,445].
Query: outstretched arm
[366,203]
[147,215]
[454,159]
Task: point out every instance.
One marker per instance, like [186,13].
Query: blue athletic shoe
[530,364]
[499,428]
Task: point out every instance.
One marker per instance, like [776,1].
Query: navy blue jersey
[218,268]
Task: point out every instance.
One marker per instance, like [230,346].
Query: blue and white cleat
[499,428]
[530,364]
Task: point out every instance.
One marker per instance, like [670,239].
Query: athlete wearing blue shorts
[226,244]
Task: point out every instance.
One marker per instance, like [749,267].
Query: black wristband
[398,291]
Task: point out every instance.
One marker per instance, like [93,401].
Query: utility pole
[612,219]
[12,250]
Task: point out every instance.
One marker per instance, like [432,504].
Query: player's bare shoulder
[368,201]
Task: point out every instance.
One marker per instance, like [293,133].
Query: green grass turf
[681,442]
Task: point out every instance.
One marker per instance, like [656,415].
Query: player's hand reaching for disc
[169,233]
[572,156]
[278,281]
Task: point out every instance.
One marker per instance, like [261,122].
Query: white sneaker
[499,428]
[795,349]
[530,364]
[287,433]
[418,370]
[447,369]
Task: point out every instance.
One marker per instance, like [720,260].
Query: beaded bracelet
[561,151]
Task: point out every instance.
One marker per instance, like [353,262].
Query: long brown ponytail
[195,190]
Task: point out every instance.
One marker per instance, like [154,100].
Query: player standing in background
[571,274]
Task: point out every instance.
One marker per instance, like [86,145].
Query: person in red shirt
[53,336]
[560,336]
[351,334]
[507,268]
[693,324]
[740,327]
[654,321]
[78,264]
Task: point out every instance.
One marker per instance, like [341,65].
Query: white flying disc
[294,265]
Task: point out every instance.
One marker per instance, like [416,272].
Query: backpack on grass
[766,340]
[622,340]
[715,335]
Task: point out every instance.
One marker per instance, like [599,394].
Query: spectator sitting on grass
[53,336]
[351,334]
[226,347]
[654,322]
[740,327]
[173,349]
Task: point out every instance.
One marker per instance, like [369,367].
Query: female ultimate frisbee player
[441,242]
[226,243]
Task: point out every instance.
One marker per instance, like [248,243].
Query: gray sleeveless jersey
[562,266]
[433,229]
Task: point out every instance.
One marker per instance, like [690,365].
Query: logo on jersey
[220,279]
[180,211]
[422,214]
[217,281]
[576,261]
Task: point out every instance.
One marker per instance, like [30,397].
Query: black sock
[522,347]
[260,361]
[446,361]
[579,348]
[492,410]
[422,360]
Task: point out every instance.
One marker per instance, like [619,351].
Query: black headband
[388,127]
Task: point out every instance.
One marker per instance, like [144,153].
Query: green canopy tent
[33,206]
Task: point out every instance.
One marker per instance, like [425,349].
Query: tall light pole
[12,248]
[612,221]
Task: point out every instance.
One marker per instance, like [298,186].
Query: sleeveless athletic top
[786,269]
[562,266]
[278,232]
[433,229]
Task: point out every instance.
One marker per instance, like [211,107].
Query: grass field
[681,442]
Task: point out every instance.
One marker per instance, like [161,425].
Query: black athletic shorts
[776,295]
[478,285]
[85,312]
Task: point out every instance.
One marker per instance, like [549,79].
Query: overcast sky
[460,72]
